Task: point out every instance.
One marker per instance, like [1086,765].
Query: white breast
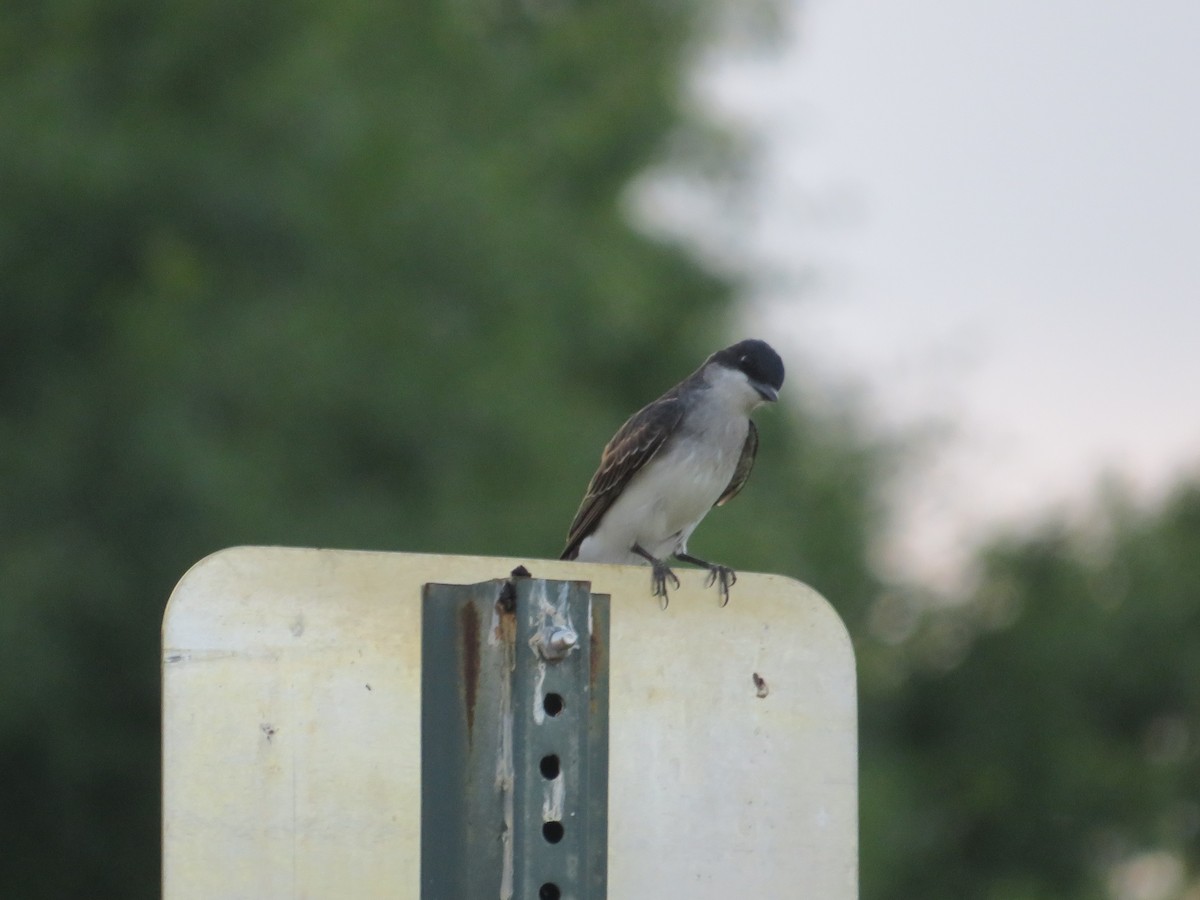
[665,501]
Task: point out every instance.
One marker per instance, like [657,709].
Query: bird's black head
[758,361]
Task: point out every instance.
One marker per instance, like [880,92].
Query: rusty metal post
[514,740]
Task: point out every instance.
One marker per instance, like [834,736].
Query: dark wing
[634,445]
[745,464]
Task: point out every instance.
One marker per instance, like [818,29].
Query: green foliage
[1059,737]
[337,275]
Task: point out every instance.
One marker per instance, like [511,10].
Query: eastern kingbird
[665,468]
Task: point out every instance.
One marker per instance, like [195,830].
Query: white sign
[292,746]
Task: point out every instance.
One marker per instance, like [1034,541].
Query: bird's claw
[661,573]
[723,576]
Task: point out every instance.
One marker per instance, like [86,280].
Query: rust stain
[507,602]
[506,624]
[596,661]
[760,686]
[468,636]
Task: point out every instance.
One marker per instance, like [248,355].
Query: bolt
[556,643]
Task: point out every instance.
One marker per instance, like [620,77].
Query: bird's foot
[722,576]
[660,573]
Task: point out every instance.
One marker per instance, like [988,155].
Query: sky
[982,219]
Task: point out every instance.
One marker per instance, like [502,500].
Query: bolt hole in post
[549,766]
[552,704]
[553,832]
[549,891]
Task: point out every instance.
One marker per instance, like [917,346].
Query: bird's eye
[742,360]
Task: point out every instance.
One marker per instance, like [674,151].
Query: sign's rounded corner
[826,605]
[197,572]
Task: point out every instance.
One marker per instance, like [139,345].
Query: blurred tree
[328,274]
[1046,740]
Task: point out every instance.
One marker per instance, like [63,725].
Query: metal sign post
[514,745]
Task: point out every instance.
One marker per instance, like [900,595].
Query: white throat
[731,389]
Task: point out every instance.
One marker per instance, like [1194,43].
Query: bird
[673,461]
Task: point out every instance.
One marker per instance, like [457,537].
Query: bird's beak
[767,392]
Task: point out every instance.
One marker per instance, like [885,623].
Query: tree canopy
[1043,740]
